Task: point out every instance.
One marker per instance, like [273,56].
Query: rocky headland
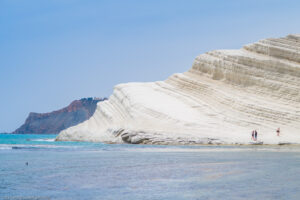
[54,122]
[220,100]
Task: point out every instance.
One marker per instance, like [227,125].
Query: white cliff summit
[220,100]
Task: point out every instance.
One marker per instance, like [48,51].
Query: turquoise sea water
[80,170]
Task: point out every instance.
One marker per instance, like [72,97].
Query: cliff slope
[56,121]
[220,100]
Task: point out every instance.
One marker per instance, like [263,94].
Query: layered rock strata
[220,100]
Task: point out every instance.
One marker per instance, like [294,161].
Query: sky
[55,51]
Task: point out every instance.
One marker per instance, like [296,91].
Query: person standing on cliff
[253,135]
[278,131]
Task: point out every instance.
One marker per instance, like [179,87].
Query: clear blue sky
[52,52]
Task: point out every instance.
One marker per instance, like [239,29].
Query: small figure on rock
[255,135]
[278,131]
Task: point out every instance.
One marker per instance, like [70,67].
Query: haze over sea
[79,170]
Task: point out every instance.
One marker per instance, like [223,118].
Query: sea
[36,167]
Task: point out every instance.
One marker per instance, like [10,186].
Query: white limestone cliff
[220,100]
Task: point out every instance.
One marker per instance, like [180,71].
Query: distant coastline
[54,122]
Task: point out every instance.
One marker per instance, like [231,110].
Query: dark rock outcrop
[56,121]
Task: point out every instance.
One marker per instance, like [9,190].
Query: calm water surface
[79,170]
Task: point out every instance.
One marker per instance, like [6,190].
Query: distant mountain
[53,122]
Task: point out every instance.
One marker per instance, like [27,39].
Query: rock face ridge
[220,100]
[56,121]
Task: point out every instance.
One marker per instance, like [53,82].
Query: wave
[43,140]
[5,147]
[34,147]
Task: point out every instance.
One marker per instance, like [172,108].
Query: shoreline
[168,143]
[185,144]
